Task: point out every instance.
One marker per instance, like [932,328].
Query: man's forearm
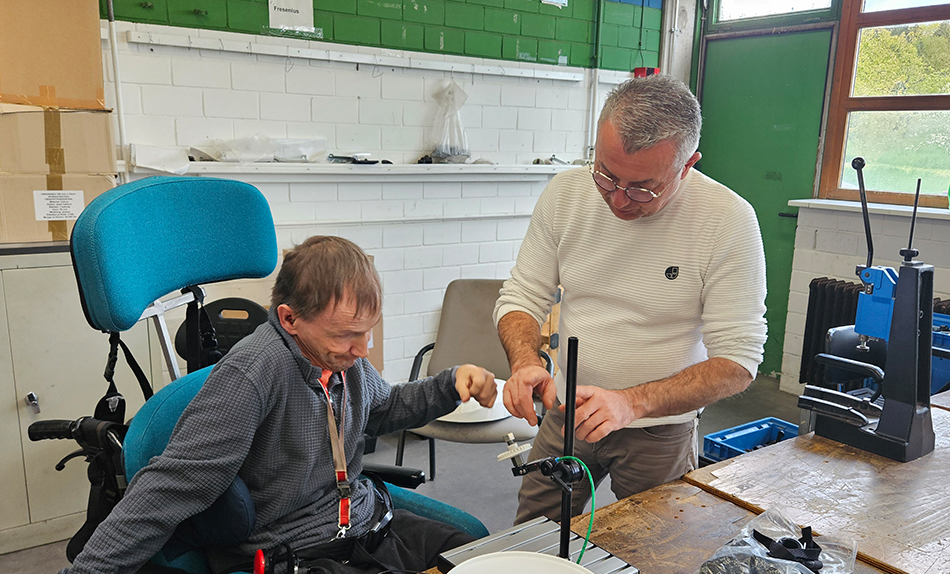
[692,388]
[521,337]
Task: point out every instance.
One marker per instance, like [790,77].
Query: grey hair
[647,111]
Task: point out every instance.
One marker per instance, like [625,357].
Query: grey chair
[467,334]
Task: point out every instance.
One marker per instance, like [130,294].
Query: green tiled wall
[444,40]
[503,21]
[391,9]
[403,36]
[525,30]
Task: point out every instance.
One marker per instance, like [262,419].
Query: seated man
[264,415]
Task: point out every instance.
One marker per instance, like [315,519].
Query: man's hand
[600,412]
[519,389]
[473,382]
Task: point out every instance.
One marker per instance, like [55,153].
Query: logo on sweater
[672,273]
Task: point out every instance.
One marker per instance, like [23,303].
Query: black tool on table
[900,306]
[359,159]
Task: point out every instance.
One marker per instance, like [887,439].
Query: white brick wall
[358,108]
[422,235]
[830,243]
[461,227]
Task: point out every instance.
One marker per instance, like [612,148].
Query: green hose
[593,503]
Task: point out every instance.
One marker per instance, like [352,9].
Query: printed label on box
[291,15]
[57,205]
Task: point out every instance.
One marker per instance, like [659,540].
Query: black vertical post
[570,398]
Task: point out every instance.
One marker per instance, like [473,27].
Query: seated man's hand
[600,412]
[476,383]
[520,388]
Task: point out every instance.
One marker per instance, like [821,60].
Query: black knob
[858,163]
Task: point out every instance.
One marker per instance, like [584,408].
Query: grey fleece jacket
[262,415]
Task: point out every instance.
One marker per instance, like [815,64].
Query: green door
[762,101]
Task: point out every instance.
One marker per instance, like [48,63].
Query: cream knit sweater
[646,298]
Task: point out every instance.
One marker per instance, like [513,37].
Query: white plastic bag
[452,145]
[301,150]
[246,150]
[745,555]
[260,148]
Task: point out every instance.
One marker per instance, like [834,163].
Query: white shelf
[402,59]
[876,208]
[341,173]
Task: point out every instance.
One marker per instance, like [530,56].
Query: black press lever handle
[866,369]
[863,406]
[858,164]
[833,410]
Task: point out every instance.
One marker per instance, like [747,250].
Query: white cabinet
[13,503]
[47,348]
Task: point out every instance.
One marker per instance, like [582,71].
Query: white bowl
[515,562]
[472,412]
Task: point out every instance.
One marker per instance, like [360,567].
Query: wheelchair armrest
[398,475]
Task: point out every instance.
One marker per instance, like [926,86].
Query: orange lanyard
[339,456]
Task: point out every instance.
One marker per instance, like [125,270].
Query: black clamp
[803,550]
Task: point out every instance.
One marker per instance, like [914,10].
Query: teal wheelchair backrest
[143,240]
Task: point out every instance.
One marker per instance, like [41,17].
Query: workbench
[897,513]
[670,529]
[941,401]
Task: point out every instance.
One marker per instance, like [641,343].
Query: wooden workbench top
[899,513]
[941,401]
[670,529]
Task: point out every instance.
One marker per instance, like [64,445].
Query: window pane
[907,60]
[879,5]
[738,9]
[899,147]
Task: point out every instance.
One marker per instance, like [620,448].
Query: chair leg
[431,458]
[401,447]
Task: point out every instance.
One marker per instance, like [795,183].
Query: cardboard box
[19,220]
[376,339]
[34,140]
[22,140]
[51,53]
[376,346]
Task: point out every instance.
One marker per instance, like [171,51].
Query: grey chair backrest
[467,332]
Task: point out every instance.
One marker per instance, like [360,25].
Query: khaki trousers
[636,459]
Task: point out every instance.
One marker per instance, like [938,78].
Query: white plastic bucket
[515,562]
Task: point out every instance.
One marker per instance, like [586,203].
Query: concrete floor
[469,476]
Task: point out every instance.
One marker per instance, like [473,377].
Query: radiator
[831,303]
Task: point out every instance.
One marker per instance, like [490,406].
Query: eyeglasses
[637,194]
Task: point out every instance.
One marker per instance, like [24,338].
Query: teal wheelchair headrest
[148,238]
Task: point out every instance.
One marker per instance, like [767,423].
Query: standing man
[286,410]
[664,286]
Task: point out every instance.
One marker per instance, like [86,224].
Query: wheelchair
[131,247]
